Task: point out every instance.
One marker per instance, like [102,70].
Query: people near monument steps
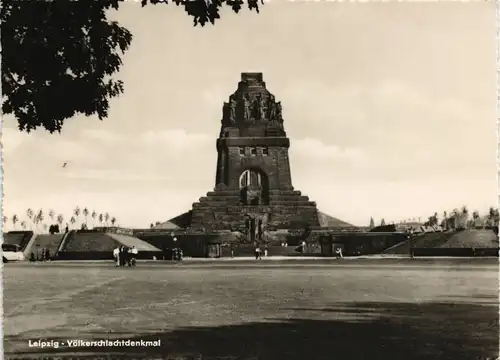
[44,255]
[177,254]
[258,253]
[125,256]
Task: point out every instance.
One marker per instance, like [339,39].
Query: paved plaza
[353,309]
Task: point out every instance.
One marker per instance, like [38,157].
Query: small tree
[23,225]
[372,223]
[113,221]
[60,219]
[15,219]
[94,216]
[30,214]
[76,213]
[51,215]
[106,219]
[86,215]
[382,222]
[40,217]
[455,219]
[493,217]
[464,217]
[72,220]
[101,219]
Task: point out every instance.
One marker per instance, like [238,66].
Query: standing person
[47,254]
[43,254]
[257,251]
[133,252]
[122,256]
[128,256]
[116,255]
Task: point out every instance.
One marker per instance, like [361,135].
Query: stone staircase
[47,241]
[222,209]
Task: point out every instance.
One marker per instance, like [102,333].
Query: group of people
[258,253]
[45,256]
[125,256]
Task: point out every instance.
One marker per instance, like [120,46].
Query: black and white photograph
[276,180]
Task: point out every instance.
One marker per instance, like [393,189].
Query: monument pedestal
[223,210]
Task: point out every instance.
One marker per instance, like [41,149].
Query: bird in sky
[64,165]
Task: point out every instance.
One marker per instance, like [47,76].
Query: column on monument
[254,178]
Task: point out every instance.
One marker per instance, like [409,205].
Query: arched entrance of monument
[254,187]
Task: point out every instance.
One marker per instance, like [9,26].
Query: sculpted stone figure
[262,108]
[246,107]
[272,111]
[278,111]
[226,114]
[232,113]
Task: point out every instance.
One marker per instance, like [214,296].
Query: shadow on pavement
[351,331]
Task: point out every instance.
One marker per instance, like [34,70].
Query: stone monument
[253,182]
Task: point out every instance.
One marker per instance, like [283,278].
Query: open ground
[433,309]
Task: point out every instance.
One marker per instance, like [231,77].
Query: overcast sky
[390,108]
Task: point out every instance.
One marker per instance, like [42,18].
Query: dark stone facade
[253,184]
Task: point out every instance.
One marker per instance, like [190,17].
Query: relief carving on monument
[247,107]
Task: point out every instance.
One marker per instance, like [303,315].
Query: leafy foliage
[59,56]
[204,11]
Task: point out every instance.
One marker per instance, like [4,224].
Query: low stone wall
[458,252]
[357,243]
